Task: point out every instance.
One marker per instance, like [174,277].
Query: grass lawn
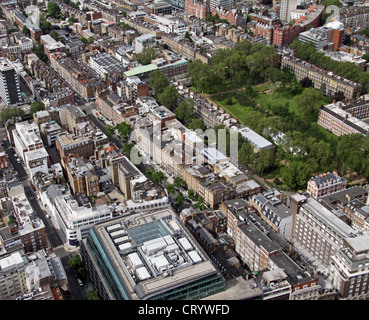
[278,98]
[235,109]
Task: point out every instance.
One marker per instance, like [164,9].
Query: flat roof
[140,69]
[142,265]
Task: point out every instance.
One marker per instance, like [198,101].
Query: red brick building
[199,8]
[233,16]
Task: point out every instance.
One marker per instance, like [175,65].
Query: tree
[263,159]
[246,155]
[179,183]
[158,177]
[306,82]
[39,52]
[36,106]
[109,130]
[92,295]
[185,111]
[180,198]
[75,262]
[127,149]
[46,26]
[168,97]
[200,203]
[170,189]
[308,102]
[296,175]
[25,30]
[54,34]
[191,194]
[366,56]
[273,76]
[147,55]
[197,124]
[158,81]
[8,113]
[124,130]
[53,10]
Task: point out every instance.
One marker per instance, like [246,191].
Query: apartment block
[13,276]
[287,6]
[9,83]
[233,16]
[78,75]
[113,108]
[51,45]
[67,144]
[131,88]
[358,213]
[341,118]
[74,220]
[37,160]
[316,229]
[349,269]
[81,176]
[325,184]
[340,199]
[106,65]
[323,38]
[198,8]
[354,16]
[333,83]
[48,132]
[273,211]
[60,98]
[70,116]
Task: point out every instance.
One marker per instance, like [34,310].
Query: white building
[105,64]
[26,137]
[37,160]
[169,26]
[146,40]
[73,221]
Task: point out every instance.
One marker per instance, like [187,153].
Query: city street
[54,237]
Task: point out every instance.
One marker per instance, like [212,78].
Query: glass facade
[106,267]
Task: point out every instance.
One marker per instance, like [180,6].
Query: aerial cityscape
[212,150]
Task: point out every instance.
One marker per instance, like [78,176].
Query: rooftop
[152,252]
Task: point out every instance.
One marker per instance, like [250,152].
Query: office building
[226,4]
[9,83]
[286,8]
[26,136]
[13,276]
[349,269]
[148,256]
[67,144]
[316,229]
